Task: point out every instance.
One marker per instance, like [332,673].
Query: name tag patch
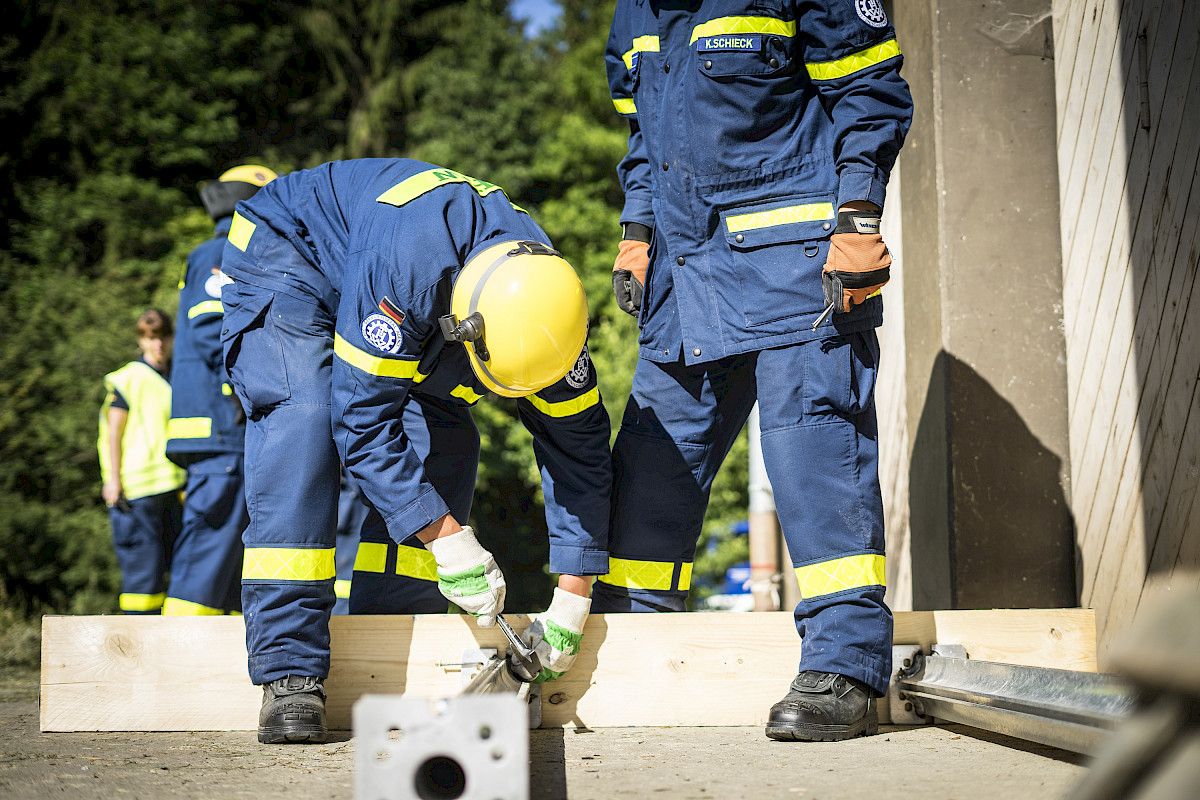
[729,42]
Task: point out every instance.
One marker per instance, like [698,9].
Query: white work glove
[556,634]
[468,575]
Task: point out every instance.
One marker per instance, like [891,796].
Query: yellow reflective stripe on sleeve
[415,562]
[641,44]
[174,607]
[240,231]
[780,216]
[288,564]
[189,428]
[207,307]
[371,557]
[653,575]
[412,188]
[728,25]
[341,589]
[828,70]
[383,367]
[840,574]
[466,393]
[566,408]
[624,106]
[141,602]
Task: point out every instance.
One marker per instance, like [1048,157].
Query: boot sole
[800,732]
[293,734]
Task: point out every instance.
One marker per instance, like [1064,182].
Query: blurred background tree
[116,111]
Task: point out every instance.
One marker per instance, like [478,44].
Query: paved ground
[602,764]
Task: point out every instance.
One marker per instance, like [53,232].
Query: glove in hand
[468,575]
[859,263]
[629,274]
[556,634]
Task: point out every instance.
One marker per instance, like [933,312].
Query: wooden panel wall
[1128,96]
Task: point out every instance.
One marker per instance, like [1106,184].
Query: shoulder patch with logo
[577,378]
[871,12]
[382,333]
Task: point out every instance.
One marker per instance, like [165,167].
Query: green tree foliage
[115,111]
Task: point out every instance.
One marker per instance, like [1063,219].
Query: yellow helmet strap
[469,330]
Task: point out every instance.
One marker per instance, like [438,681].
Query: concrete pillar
[985,362]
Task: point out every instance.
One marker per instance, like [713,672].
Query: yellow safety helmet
[519,309]
[239,183]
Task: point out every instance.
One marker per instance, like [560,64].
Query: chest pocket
[735,46]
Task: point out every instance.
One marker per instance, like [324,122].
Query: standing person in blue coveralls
[373,302]
[141,487]
[207,429]
[762,135]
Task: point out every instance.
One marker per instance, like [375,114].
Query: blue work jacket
[379,243]
[205,417]
[751,122]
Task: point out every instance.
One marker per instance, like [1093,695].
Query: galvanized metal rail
[1074,711]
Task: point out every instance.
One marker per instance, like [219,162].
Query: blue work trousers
[819,442]
[144,535]
[206,568]
[279,354]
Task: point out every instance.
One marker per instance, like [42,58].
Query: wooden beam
[189,673]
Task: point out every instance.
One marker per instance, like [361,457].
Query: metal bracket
[903,710]
[474,747]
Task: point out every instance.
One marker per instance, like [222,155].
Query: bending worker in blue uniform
[373,302]
[207,428]
[761,140]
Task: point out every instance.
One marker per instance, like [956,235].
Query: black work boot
[293,710]
[824,707]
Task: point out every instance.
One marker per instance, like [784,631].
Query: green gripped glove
[556,634]
[468,576]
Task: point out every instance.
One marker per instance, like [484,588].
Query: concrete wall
[985,367]
[1128,87]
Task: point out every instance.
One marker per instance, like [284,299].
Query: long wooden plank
[189,673]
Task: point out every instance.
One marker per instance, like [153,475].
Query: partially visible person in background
[352,511]
[141,486]
[207,431]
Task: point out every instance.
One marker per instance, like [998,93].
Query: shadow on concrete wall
[1010,538]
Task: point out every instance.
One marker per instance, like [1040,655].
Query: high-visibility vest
[145,469]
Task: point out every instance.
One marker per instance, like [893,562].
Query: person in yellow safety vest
[141,486]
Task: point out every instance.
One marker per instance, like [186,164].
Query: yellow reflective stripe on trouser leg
[371,557]
[341,589]
[174,607]
[653,575]
[411,562]
[288,564]
[141,602]
[840,574]
[415,562]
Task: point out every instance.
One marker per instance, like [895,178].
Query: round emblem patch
[382,333]
[871,12]
[214,282]
[578,376]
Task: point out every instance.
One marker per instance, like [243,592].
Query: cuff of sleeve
[420,513]
[577,560]
[638,209]
[457,552]
[869,186]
